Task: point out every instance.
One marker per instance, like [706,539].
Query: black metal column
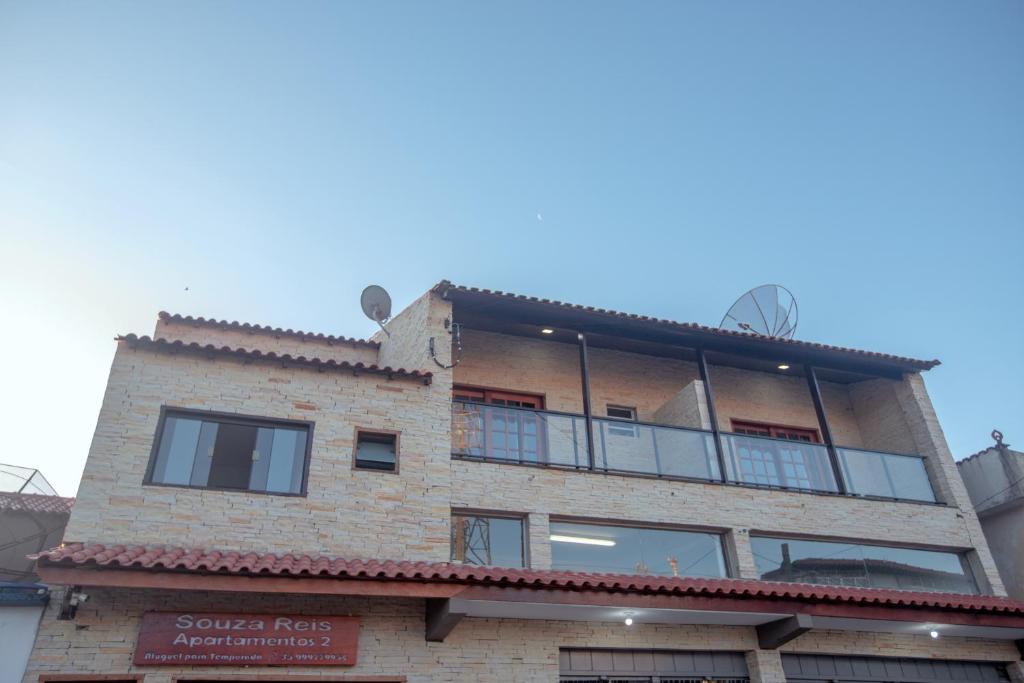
[588,416]
[826,431]
[709,396]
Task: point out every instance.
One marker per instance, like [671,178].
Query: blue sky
[658,158]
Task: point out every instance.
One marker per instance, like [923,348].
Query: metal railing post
[709,396]
[588,416]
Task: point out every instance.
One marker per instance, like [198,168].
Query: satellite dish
[768,310]
[376,303]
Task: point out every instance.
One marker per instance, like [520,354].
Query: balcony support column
[709,396]
[826,431]
[588,416]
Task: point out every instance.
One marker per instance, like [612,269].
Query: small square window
[622,413]
[376,451]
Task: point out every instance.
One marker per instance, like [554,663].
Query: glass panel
[646,449]
[778,462]
[177,451]
[285,451]
[204,454]
[885,474]
[496,541]
[262,456]
[518,435]
[633,550]
[851,564]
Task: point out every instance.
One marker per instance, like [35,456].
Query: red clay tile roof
[34,502]
[201,561]
[445,286]
[177,346]
[198,321]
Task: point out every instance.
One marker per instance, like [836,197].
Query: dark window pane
[495,541]
[852,564]
[376,451]
[233,454]
[633,550]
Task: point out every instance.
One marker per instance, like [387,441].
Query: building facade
[995,482]
[502,488]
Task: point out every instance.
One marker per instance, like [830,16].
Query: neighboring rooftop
[17,479]
[994,477]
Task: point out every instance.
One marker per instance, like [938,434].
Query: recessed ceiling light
[934,634]
[547,330]
[581,539]
[783,366]
[629,621]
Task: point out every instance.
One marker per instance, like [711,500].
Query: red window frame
[775,431]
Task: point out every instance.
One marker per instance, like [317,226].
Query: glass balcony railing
[886,475]
[519,435]
[623,446]
[780,463]
[546,438]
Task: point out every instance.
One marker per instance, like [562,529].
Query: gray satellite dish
[376,303]
[768,310]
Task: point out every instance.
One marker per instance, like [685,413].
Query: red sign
[175,638]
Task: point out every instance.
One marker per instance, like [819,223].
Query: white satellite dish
[768,310]
[376,303]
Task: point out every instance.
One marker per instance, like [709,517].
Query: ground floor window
[856,564]
[635,550]
[668,666]
[488,540]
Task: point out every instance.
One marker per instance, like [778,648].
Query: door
[501,425]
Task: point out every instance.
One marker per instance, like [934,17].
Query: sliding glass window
[854,564]
[636,550]
[206,450]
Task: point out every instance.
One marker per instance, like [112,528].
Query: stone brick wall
[265,341]
[597,496]
[344,512]
[102,638]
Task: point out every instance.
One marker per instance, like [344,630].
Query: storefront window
[495,541]
[853,564]
[226,452]
[635,550]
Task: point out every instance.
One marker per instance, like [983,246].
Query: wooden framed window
[375,450]
[775,463]
[504,426]
[225,451]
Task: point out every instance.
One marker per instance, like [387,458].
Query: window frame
[236,418]
[726,542]
[382,432]
[627,426]
[522,517]
[964,554]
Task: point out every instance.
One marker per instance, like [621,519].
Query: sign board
[219,639]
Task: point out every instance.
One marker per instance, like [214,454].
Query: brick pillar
[765,666]
[949,487]
[539,531]
[741,555]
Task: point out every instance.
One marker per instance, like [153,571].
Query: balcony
[557,439]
